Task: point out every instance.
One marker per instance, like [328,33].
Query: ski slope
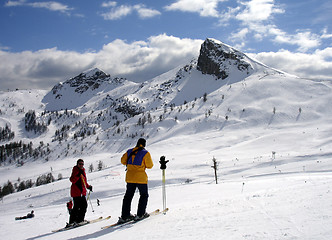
[259,196]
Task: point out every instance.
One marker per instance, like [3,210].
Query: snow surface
[256,198]
[275,169]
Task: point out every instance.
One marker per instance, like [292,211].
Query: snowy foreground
[259,196]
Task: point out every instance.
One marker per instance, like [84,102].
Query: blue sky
[45,42]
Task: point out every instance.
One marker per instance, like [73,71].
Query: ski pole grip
[163,162]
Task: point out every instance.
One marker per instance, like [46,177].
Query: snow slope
[256,198]
[269,131]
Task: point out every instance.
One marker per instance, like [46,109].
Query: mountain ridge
[93,108]
[215,59]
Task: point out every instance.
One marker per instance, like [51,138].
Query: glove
[163,162]
[90,188]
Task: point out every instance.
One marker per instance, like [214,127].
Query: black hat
[141,141]
[79,160]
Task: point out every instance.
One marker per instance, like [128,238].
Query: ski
[154,213]
[85,222]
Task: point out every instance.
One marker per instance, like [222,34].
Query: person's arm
[124,159]
[148,160]
[75,175]
[88,186]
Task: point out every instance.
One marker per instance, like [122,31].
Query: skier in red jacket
[78,192]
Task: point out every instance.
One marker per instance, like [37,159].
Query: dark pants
[78,212]
[128,197]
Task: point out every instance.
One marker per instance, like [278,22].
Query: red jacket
[78,187]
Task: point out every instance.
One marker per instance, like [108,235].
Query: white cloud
[142,60]
[227,15]
[50,5]
[144,12]
[257,19]
[258,11]
[317,65]
[240,34]
[15,3]
[205,8]
[305,40]
[40,69]
[137,61]
[118,12]
[109,4]
[325,34]
[125,10]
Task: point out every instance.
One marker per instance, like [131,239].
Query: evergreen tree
[205,97]
[100,165]
[7,189]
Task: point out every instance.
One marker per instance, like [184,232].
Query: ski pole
[164,188]
[163,168]
[88,198]
[90,201]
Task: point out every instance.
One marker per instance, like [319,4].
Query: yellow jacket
[136,165]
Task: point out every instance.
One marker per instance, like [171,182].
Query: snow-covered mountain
[76,91]
[269,131]
[216,61]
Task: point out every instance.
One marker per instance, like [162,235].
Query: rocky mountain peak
[219,59]
[95,72]
[88,79]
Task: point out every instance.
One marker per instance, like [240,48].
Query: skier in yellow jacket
[136,159]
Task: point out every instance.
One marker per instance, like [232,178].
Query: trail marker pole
[215,167]
[163,168]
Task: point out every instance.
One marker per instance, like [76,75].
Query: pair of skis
[71,226]
[151,214]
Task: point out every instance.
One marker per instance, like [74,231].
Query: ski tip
[164,211]
[155,212]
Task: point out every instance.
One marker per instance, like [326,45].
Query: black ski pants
[128,197]
[78,212]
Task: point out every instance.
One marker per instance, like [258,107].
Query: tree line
[6,134]
[18,151]
[31,123]
[9,187]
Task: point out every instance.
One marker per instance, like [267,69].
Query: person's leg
[75,210]
[143,200]
[82,209]
[128,197]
